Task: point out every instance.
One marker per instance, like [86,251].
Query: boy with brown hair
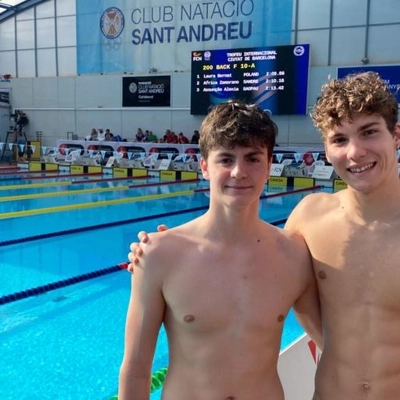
[353,236]
[222,293]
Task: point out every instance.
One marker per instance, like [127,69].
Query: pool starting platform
[169,174]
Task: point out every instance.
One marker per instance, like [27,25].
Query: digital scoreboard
[274,78]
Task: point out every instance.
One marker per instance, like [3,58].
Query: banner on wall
[390,74]
[299,155]
[4,97]
[151,91]
[127,36]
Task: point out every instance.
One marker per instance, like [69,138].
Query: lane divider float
[23,294]
[81,206]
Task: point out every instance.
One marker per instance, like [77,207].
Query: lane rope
[35,185]
[21,172]
[81,206]
[164,183]
[61,183]
[63,193]
[99,226]
[122,178]
[23,294]
[139,219]
[49,176]
[75,192]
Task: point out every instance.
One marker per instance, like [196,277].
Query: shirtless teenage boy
[354,237]
[222,292]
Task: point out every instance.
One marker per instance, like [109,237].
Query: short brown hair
[362,93]
[237,123]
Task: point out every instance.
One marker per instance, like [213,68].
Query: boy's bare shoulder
[292,241]
[318,201]
[290,251]
[312,208]
[167,245]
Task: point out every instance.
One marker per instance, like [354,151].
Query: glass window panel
[45,10]
[353,51]
[66,31]
[349,13]
[384,11]
[25,35]
[7,35]
[46,60]
[382,49]
[314,14]
[7,63]
[67,61]
[65,7]
[27,14]
[319,44]
[26,63]
[45,33]
[294,15]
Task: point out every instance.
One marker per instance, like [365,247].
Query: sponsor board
[339,184]
[278,181]
[322,172]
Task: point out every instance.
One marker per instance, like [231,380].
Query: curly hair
[237,123]
[362,93]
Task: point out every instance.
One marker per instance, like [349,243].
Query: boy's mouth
[357,170]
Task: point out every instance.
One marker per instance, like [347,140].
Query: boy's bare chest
[240,293]
[360,264]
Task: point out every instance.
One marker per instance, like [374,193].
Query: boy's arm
[144,318]
[308,312]
[307,307]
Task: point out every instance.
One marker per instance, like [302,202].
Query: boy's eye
[338,140]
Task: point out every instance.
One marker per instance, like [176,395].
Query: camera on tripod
[20,120]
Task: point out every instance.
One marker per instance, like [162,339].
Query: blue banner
[390,74]
[125,36]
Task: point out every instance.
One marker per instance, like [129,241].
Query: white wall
[56,106]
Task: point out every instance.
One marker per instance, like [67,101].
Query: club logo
[112,22]
[299,51]
[197,56]
[133,87]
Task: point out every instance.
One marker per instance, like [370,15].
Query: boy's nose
[239,170]
[355,150]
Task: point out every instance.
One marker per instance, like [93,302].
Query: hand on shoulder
[136,248]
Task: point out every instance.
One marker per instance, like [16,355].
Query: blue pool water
[67,343]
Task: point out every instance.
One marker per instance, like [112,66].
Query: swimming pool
[67,343]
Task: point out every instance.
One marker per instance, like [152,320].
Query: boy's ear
[397,135]
[327,153]
[204,168]
[269,169]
